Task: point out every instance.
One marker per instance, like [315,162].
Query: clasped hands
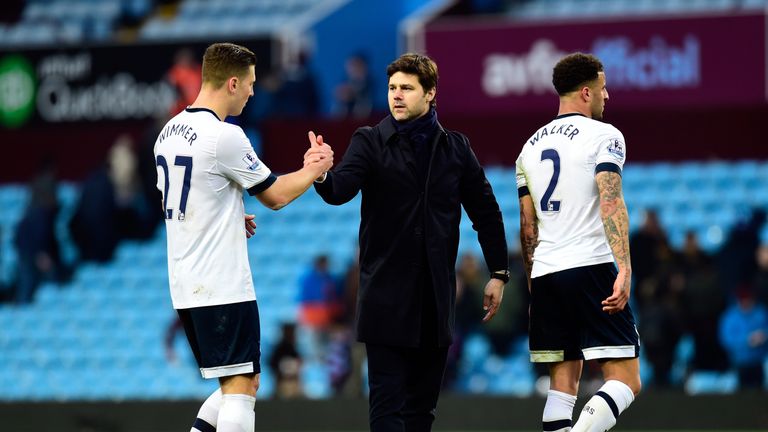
[318,156]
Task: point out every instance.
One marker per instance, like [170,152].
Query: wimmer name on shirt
[183,130]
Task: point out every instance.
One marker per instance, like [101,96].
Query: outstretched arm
[288,187]
[613,212]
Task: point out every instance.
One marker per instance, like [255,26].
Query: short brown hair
[416,64]
[575,70]
[224,60]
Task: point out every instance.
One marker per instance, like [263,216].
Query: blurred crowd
[719,301]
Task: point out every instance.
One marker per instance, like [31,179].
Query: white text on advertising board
[659,65]
[60,97]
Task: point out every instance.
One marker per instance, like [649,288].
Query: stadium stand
[110,321]
[71,22]
[201,19]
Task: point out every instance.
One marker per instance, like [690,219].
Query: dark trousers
[404,386]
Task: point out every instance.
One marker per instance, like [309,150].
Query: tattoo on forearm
[529,239]
[613,212]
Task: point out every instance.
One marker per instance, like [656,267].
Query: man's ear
[586,94]
[232,84]
[431,95]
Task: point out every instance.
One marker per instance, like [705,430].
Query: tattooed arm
[613,212]
[529,234]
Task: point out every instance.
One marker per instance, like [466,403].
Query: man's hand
[494,291]
[620,296]
[250,225]
[319,154]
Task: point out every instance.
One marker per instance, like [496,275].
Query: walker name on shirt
[564,129]
[182,130]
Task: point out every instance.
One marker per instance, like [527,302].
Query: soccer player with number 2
[574,235]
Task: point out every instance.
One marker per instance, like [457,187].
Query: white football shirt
[203,165]
[557,166]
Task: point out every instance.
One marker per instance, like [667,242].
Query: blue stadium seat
[110,314]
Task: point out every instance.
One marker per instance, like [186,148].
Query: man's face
[244,90]
[599,94]
[407,98]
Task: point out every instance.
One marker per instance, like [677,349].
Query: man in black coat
[414,176]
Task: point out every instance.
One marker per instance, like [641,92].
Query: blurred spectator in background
[319,305]
[660,327]
[296,95]
[516,298]
[470,282]
[702,302]
[659,284]
[93,227]
[186,77]
[174,329]
[744,335]
[354,95]
[338,357]
[260,107]
[503,329]
[112,205]
[736,258]
[352,384]
[761,276]
[644,244]
[35,239]
[133,214]
[285,363]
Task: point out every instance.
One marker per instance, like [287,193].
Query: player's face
[244,90]
[599,94]
[407,98]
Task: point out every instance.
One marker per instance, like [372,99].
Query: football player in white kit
[574,233]
[203,166]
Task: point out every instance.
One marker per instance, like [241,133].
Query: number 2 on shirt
[546,204]
[183,161]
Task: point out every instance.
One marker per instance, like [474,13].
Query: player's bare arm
[290,186]
[613,212]
[529,234]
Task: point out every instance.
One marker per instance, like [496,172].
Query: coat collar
[388,130]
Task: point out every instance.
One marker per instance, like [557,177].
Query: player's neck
[571,107]
[208,99]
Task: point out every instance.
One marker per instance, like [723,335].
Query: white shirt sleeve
[611,148]
[237,160]
[519,173]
